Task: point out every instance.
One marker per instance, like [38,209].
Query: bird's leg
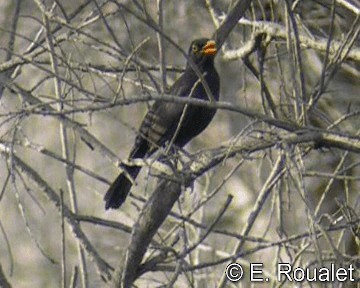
[170,154]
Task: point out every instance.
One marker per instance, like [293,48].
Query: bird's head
[202,51]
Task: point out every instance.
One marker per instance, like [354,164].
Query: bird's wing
[160,122]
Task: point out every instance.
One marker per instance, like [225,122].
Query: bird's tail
[119,189]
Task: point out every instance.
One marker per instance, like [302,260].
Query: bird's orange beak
[210,48]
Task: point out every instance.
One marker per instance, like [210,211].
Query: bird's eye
[195,48]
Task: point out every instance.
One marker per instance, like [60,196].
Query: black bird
[162,122]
